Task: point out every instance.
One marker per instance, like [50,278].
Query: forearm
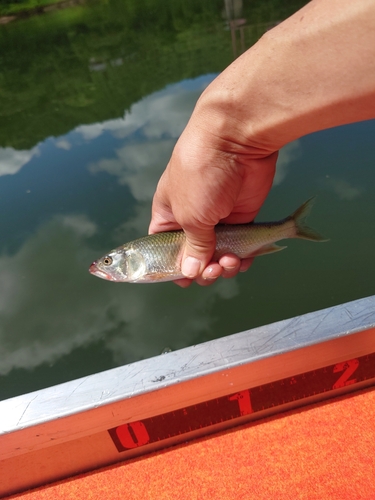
[314,71]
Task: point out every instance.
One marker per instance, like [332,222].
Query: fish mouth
[93,269]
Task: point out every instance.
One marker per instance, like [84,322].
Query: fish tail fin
[303,231]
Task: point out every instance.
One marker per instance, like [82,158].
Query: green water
[92,101]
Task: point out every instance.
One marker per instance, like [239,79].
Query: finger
[210,274]
[158,225]
[198,251]
[230,261]
[245,264]
[202,282]
[162,218]
[231,265]
[183,282]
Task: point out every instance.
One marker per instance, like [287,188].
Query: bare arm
[314,71]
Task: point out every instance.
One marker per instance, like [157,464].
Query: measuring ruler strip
[134,409]
[324,382]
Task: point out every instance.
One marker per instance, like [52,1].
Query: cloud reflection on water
[138,166]
[161,114]
[50,305]
[342,188]
[12,160]
[287,154]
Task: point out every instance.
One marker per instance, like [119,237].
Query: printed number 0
[132,435]
[348,367]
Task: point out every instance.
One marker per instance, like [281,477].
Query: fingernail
[190,267]
[207,275]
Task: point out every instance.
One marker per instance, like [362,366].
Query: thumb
[199,249]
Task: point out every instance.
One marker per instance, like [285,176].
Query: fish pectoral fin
[271,248]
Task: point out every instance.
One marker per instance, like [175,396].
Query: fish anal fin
[271,248]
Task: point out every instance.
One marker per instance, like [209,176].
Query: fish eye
[107,261]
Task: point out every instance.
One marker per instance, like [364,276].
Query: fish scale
[245,239]
[156,247]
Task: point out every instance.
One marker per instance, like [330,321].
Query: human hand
[210,179]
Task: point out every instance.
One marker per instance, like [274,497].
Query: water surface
[93,99]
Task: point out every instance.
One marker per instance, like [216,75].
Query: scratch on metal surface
[186,366]
[321,321]
[222,355]
[347,311]
[270,340]
[136,373]
[112,393]
[368,313]
[25,410]
[76,388]
[353,322]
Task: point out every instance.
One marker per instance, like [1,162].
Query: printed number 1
[348,367]
[244,402]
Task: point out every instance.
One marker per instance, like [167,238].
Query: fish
[157,257]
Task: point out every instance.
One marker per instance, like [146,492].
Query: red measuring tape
[228,408]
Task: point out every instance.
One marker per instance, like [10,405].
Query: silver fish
[157,257]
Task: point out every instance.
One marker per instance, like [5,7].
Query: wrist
[243,105]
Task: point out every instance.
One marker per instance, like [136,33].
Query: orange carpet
[324,451]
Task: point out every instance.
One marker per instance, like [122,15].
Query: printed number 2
[244,402]
[348,367]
